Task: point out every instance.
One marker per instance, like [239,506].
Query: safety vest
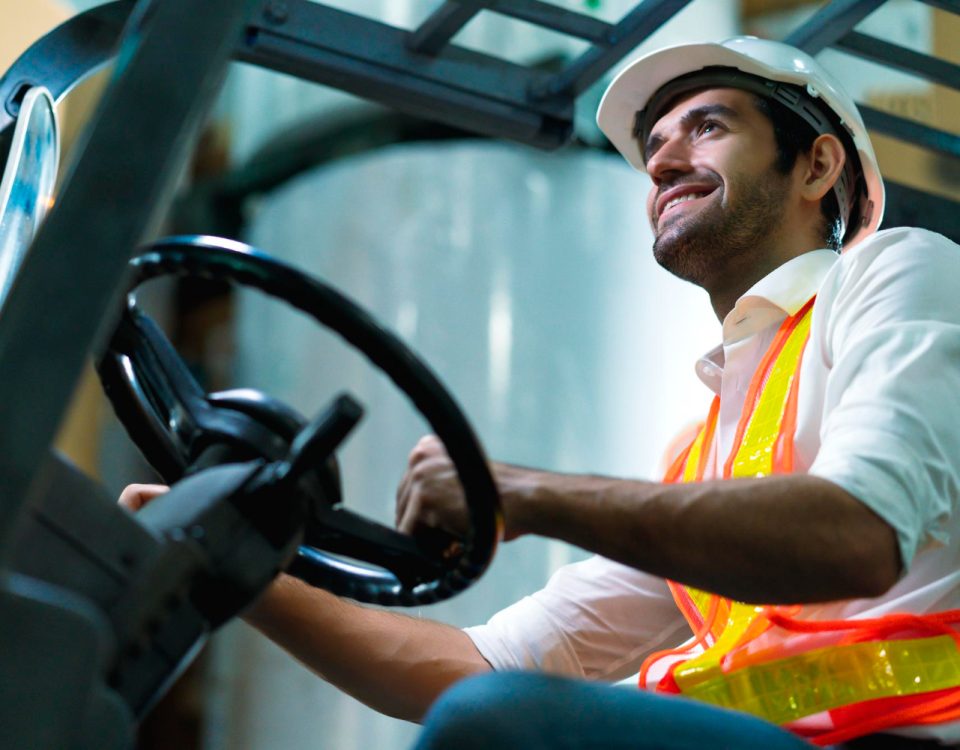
[867,674]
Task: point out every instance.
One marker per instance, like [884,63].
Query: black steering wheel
[181,430]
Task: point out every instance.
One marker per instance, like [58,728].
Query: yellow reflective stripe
[703,601]
[700,598]
[763,431]
[693,457]
[739,620]
[754,457]
[822,679]
[756,452]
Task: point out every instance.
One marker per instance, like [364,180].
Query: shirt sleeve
[891,341]
[595,619]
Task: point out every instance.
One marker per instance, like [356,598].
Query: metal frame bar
[632,29]
[925,66]
[457,86]
[911,131]
[830,23]
[553,17]
[443,24]
[70,279]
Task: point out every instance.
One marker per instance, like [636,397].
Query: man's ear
[825,160]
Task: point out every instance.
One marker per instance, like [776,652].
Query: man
[826,474]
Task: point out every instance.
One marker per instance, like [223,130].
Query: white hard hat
[628,96]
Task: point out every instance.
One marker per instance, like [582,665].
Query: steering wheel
[181,429]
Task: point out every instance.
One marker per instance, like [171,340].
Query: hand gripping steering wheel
[181,430]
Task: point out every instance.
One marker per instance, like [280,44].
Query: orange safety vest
[868,674]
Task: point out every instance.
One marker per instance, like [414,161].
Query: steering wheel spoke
[146,379]
[342,532]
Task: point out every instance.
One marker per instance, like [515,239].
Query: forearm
[395,664]
[741,538]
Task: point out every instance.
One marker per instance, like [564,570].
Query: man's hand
[430,495]
[135,496]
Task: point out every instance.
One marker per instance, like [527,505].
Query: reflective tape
[788,689]
[754,457]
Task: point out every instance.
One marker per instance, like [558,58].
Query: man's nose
[670,159]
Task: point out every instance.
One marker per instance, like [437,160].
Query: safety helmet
[779,71]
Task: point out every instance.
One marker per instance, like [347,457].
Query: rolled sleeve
[595,619]
[890,434]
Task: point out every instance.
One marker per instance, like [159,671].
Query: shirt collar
[780,293]
[792,284]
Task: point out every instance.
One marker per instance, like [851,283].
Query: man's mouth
[678,195]
[683,198]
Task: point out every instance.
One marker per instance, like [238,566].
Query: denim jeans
[505,710]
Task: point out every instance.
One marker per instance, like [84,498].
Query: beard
[722,235]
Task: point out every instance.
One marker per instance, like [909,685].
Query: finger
[422,451]
[403,494]
[408,483]
[406,518]
[426,447]
[410,496]
[135,496]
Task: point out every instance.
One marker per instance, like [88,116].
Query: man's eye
[707,126]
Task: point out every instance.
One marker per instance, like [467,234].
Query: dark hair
[793,136]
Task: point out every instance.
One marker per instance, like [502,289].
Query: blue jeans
[505,710]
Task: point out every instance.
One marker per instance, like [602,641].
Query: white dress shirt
[878,414]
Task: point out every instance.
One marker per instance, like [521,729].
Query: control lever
[316,442]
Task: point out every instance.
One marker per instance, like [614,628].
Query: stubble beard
[718,238]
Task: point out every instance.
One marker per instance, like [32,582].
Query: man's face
[717,200]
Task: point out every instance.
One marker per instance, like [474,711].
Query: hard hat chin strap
[801,101]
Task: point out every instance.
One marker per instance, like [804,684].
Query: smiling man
[822,487]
